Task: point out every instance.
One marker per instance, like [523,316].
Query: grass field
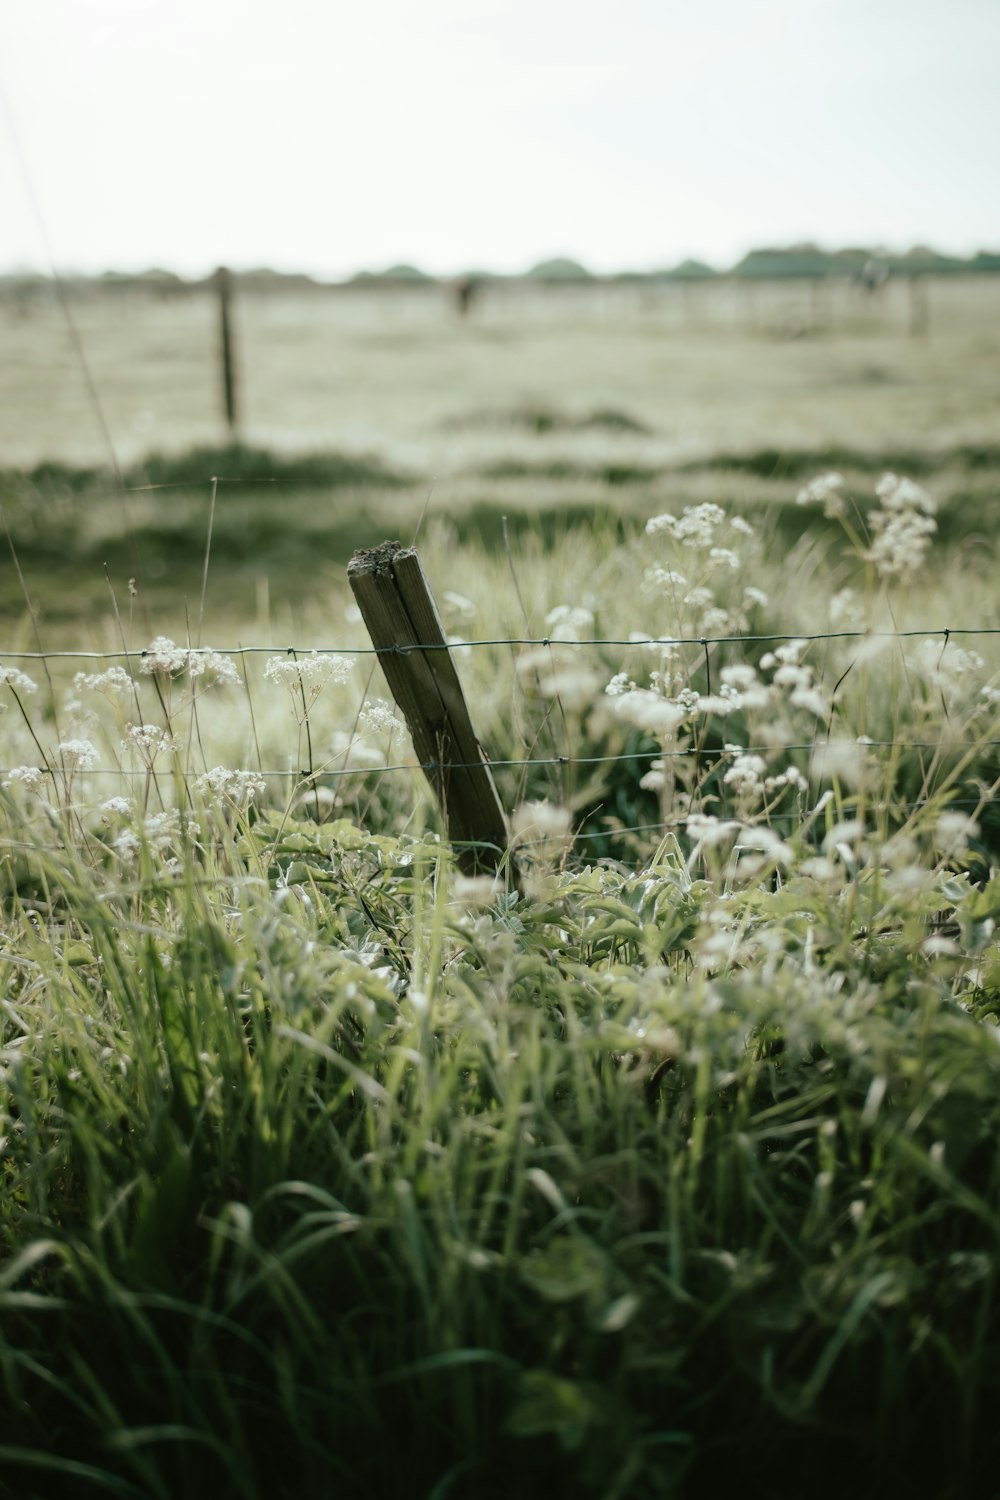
[667,1162]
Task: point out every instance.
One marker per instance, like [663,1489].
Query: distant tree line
[806,261]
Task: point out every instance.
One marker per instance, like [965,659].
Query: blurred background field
[365,407]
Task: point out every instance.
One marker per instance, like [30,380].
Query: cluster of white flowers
[114,680]
[649,710]
[147,740]
[824,490]
[845,609]
[791,673]
[543,827]
[77,755]
[378,717]
[117,807]
[746,775]
[309,674]
[225,785]
[217,668]
[566,621]
[163,658]
[160,833]
[901,529]
[13,677]
[706,831]
[26,776]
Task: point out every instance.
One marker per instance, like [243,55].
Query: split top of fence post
[402,619]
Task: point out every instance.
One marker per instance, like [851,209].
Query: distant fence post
[224,285]
[402,619]
[919,310]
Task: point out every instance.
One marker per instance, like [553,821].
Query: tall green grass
[668,1168]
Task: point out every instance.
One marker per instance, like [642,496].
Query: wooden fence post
[224,283]
[402,619]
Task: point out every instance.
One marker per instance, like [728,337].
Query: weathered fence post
[402,619]
[224,284]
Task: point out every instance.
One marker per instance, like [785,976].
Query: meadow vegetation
[664,1162]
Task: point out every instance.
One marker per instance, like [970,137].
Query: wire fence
[948,743]
[946,632]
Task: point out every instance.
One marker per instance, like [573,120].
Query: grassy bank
[665,1163]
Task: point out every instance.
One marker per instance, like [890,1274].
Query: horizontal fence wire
[946,632]
[689,752]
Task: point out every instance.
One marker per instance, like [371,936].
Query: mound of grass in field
[546,419]
[234,463]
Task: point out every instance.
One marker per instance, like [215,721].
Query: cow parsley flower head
[824,490]
[77,755]
[149,740]
[566,621]
[14,678]
[161,656]
[114,680]
[207,663]
[901,530]
[224,785]
[26,776]
[378,717]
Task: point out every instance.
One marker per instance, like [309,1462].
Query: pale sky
[327,136]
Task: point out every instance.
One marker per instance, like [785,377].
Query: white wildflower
[378,717]
[657,524]
[823,490]
[149,740]
[542,827]
[790,777]
[757,596]
[313,669]
[723,557]
[845,608]
[766,842]
[204,662]
[476,890]
[648,710]
[739,676]
[19,681]
[655,779]
[228,785]
[566,621]
[844,834]
[707,831]
[897,493]
[26,776]
[843,760]
[745,775]
[116,807]
[79,755]
[575,686]
[620,683]
[737,523]
[114,680]
[939,946]
[812,700]
[953,831]
[665,578]
[162,656]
